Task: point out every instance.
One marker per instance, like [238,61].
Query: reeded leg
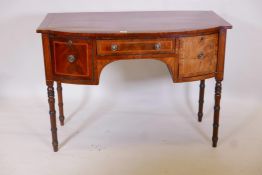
[201,100]
[218,90]
[51,101]
[60,103]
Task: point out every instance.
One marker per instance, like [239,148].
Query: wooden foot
[201,100]
[218,90]
[51,101]
[60,103]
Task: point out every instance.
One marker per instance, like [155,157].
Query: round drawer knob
[69,43]
[114,47]
[157,46]
[201,55]
[71,58]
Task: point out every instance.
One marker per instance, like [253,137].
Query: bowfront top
[131,22]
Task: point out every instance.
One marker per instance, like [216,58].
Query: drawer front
[145,46]
[198,55]
[72,58]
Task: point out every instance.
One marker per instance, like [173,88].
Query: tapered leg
[51,101]
[201,100]
[218,90]
[60,103]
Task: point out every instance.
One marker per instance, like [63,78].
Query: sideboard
[77,46]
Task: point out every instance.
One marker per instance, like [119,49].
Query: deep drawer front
[146,46]
[198,55]
[72,58]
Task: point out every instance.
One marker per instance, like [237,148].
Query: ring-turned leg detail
[60,103]
[52,112]
[218,90]
[201,100]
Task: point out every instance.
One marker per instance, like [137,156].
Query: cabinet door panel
[197,55]
[72,58]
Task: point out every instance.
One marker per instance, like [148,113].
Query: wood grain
[198,55]
[60,103]
[125,23]
[201,100]
[169,61]
[52,113]
[218,90]
[221,54]
[131,47]
[47,57]
[192,47]
[81,49]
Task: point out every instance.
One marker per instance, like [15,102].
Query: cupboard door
[72,58]
[198,55]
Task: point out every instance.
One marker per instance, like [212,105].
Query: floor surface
[121,139]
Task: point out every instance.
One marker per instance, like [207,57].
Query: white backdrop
[22,71]
[137,86]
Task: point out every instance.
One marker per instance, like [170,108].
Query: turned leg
[218,89]
[51,101]
[201,100]
[60,103]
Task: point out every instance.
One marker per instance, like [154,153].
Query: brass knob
[71,58]
[69,43]
[201,55]
[157,46]
[114,47]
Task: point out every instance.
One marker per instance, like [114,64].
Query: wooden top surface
[131,22]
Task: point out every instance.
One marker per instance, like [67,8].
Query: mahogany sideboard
[77,46]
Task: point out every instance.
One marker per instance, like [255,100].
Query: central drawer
[136,46]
